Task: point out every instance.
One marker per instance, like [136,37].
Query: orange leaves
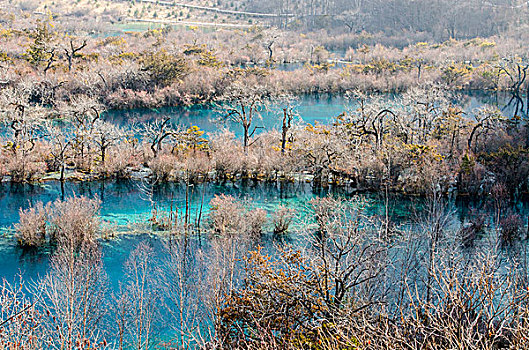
[275,299]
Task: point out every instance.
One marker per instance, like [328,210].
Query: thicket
[55,89]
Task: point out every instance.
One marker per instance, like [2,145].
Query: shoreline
[212,178]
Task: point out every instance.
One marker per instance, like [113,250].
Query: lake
[126,209]
[310,109]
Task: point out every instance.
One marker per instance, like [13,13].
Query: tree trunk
[246,138]
[284,132]
[103,152]
[62,172]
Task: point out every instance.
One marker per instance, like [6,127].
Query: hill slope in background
[429,20]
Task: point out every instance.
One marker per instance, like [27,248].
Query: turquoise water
[126,208]
[310,109]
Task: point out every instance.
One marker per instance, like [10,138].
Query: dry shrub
[227,154]
[31,228]
[225,215]
[72,222]
[255,220]
[425,169]
[266,160]
[228,218]
[24,167]
[128,98]
[199,87]
[195,166]
[22,170]
[278,306]
[163,166]
[282,219]
[511,228]
[119,160]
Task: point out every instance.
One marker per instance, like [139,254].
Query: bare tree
[183,285]
[311,290]
[22,325]
[24,121]
[83,112]
[143,292]
[157,133]
[60,141]
[483,120]
[243,104]
[424,106]
[72,294]
[106,135]
[287,104]
[372,118]
[72,51]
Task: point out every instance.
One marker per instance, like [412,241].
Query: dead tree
[72,50]
[242,104]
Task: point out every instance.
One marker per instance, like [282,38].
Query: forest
[317,174]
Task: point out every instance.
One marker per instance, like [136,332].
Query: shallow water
[127,206]
[311,109]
